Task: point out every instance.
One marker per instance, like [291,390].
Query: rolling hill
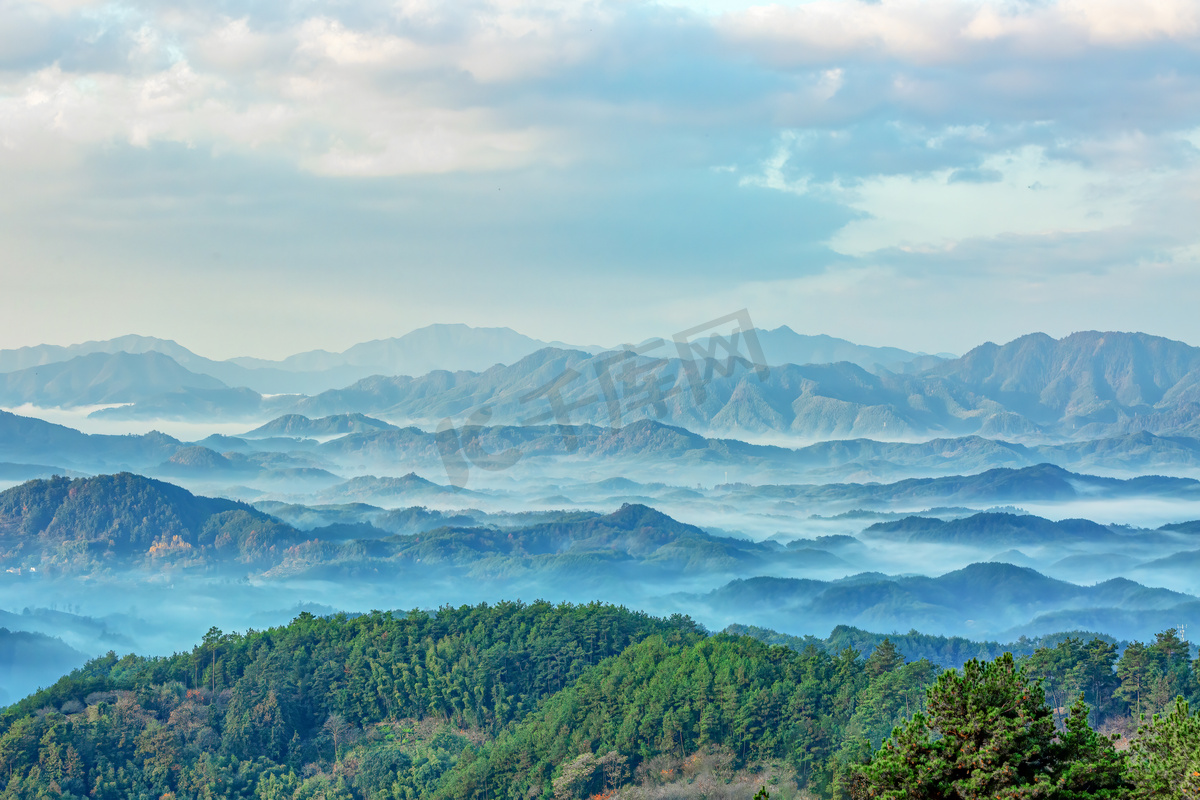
[123,520]
[101,378]
[646,441]
[28,439]
[1044,482]
[981,599]
[300,426]
[27,658]
[994,530]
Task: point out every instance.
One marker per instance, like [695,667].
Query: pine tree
[988,733]
[1165,757]
[1137,672]
[1092,769]
[884,658]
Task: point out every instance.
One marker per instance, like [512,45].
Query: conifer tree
[1165,757]
[883,658]
[988,733]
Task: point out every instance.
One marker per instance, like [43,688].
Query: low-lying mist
[840,550]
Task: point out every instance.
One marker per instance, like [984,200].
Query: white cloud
[420,86]
[338,99]
[937,31]
[988,185]
[905,135]
[1031,195]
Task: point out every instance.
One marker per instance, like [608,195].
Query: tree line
[528,700]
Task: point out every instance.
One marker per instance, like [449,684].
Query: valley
[826,508]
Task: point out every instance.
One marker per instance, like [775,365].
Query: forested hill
[124,520]
[61,523]
[497,701]
[341,707]
[947,652]
[242,711]
[758,703]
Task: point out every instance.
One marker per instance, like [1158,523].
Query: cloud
[980,175]
[1029,195]
[405,93]
[955,31]
[1032,211]
[418,86]
[859,150]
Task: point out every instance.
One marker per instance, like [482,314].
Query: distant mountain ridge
[839,474]
[1034,388]
[297,425]
[450,347]
[783,345]
[265,380]
[993,530]
[1043,482]
[1088,385]
[70,452]
[999,597]
[22,436]
[42,354]
[25,658]
[838,460]
[101,378]
[453,347]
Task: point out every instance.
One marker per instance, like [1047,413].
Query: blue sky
[259,178]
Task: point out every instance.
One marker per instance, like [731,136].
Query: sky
[257,177]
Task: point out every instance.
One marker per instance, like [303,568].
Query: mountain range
[370,464]
[421,351]
[1034,389]
[984,598]
[429,349]
[378,444]
[102,525]
[1040,483]
[101,378]
[435,347]
[1085,385]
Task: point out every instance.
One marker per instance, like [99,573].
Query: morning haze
[620,400]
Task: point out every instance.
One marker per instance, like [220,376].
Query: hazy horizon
[270,180]
[753,333]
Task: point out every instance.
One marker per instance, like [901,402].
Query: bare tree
[338,729]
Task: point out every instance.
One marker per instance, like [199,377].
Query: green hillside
[109,520]
[510,700]
[242,710]
[947,652]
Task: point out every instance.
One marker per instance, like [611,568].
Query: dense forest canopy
[515,700]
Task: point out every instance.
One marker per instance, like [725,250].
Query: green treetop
[988,733]
[1165,756]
